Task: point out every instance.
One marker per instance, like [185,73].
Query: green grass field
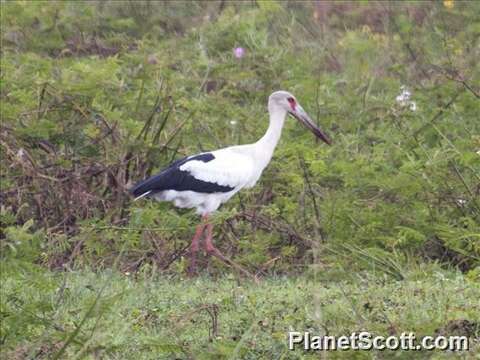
[81,314]
[379,232]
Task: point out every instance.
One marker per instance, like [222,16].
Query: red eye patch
[292,103]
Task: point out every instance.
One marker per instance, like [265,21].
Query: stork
[207,180]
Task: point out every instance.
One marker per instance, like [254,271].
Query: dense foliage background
[97,95]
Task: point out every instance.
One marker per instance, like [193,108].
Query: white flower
[233,122]
[20,154]
[404,96]
[403,99]
[461,202]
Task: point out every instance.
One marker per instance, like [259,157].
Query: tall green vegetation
[96,96]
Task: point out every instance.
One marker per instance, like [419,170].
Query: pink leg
[212,250]
[194,247]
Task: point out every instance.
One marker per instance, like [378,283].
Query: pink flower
[239,52]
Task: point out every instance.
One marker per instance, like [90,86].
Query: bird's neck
[266,145]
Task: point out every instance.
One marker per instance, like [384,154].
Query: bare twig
[439,113]
[318,228]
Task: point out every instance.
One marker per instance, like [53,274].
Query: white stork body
[207,180]
[235,167]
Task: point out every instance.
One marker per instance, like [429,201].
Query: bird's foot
[193,250]
[192,270]
[192,266]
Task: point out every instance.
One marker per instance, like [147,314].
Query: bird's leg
[212,250]
[194,247]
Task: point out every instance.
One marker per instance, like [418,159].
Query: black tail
[172,178]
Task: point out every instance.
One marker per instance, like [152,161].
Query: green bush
[96,96]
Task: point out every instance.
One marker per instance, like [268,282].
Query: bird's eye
[292,103]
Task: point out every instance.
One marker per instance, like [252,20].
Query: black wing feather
[172,178]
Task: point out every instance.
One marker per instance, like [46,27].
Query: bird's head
[284,101]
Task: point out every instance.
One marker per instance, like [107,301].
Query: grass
[113,315]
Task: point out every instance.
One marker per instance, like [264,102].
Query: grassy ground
[81,314]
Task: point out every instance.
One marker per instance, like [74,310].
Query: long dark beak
[303,117]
